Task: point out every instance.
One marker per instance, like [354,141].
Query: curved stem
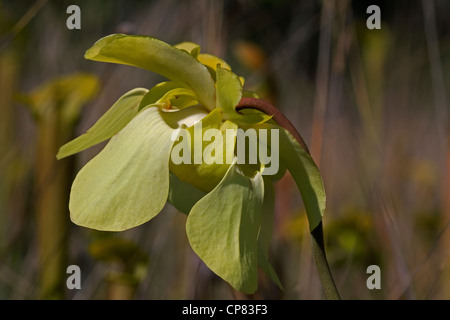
[323,269]
[318,246]
[267,108]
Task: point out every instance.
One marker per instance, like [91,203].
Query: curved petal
[157,56]
[127,183]
[108,125]
[212,61]
[157,92]
[228,94]
[229,91]
[191,47]
[223,226]
[169,94]
[179,98]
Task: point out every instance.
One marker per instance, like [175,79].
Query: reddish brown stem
[267,108]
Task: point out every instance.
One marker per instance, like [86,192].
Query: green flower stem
[323,269]
[318,246]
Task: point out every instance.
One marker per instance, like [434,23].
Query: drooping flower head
[191,141]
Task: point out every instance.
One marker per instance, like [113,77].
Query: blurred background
[372,105]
